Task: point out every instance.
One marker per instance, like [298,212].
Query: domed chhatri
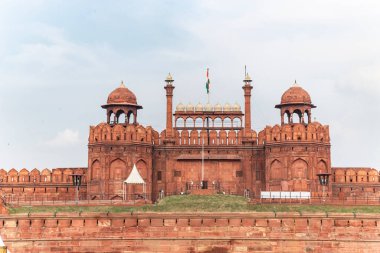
[208,108]
[227,107]
[295,95]
[295,100]
[122,95]
[122,106]
[190,107]
[199,107]
[180,107]
[236,107]
[218,108]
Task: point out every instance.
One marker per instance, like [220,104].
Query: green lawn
[194,203]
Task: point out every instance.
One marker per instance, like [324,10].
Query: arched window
[189,123]
[306,117]
[118,170]
[218,122]
[95,170]
[111,118]
[131,117]
[227,123]
[198,122]
[276,170]
[297,116]
[299,169]
[287,117]
[121,118]
[236,122]
[180,122]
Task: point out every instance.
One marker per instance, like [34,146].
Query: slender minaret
[169,105]
[247,101]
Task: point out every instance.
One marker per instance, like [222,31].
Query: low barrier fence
[328,200]
[139,199]
[41,200]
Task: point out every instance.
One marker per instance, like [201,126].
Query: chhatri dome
[122,106]
[236,107]
[218,107]
[295,95]
[208,108]
[199,107]
[227,107]
[180,107]
[122,95]
[295,100]
[190,107]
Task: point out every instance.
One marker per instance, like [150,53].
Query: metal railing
[316,200]
[44,200]
[139,199]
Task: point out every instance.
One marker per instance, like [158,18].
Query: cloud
[65,138]
[70,56]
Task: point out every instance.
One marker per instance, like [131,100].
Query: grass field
[194,203]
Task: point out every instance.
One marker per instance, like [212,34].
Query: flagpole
[203,160]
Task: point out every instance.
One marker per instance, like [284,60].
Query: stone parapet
[189,232]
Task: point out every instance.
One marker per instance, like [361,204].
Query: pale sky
[59,60]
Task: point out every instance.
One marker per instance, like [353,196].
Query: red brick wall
[173,232]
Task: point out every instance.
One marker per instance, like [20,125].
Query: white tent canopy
[134,178]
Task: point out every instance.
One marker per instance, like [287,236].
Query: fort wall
[55,184]
[202,232]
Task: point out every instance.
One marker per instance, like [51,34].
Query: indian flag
[207,83]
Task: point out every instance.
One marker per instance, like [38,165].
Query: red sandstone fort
[207,147]
[203,150]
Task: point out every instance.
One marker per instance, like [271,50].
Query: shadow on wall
[212,250]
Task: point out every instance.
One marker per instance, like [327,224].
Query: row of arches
[212,137]
[121,117]
[296,116]
[129,133]
[37,176]
[118,170]
[298,132]
[197,122]
[298,169]
[351,175]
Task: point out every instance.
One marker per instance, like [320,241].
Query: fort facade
[209,147]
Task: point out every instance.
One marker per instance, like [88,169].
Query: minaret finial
[247,78]
[169,78]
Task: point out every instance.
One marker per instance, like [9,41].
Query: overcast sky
[59,60]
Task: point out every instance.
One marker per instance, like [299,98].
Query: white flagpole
[203,159]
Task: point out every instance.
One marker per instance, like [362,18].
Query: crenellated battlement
[103,133]
[35,176]
[355,175]
[313,132]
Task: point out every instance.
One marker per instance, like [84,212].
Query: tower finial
[295,83]
[247,78]
[169,78]
[122,84]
